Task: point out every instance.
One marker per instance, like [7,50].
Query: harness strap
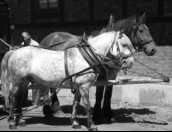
[92,58]
[67,70]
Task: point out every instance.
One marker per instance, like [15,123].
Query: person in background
[27,40]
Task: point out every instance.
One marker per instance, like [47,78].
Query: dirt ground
[132,117]
[129,117]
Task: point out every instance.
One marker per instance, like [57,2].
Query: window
[47,10]
[47,5]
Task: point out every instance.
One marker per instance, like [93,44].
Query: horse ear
[143,17]
[111,21]
[84,36]
[121,33]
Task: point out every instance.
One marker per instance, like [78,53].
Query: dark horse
[134,27]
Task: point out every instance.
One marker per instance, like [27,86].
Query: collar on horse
[92,58]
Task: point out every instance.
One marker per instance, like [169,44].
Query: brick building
[42,17]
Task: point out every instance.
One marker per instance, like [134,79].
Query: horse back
[60,41]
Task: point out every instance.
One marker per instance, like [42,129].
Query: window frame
[38,10]
[46,14]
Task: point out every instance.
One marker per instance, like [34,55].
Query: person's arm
[34,43]
[22,44]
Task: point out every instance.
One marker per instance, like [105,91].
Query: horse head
[142,38]
[136,29]
[124,49]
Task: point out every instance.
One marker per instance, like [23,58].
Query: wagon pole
[7,44]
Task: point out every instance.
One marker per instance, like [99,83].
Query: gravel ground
[129,117]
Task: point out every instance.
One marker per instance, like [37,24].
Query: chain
[163,77]
[148,67]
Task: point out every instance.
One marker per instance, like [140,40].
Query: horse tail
[5,83]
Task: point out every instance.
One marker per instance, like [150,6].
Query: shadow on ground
[126,115]
[136,116]
[68,110]
[121,116]
[54,121]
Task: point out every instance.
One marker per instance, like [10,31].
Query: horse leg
[47,111]
[85,97]
[20,100]
[98,116]
[12,124]
[74,122]
[19,118]
[57,110]
[107,111]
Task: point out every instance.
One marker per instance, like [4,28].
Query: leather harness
[99,64]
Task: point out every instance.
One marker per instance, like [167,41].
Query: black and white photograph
[86,65]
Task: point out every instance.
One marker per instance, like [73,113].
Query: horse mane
[124,24]
[98,32]
[98,42]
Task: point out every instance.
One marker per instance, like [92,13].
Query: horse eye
[141,31]
[125,45]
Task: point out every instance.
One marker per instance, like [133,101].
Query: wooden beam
[68,86]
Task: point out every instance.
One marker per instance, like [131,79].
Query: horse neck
[125,24]
[103,42]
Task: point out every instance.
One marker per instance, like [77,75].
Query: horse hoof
[76,125]
[47,111]
[22,123]
[59,113]
[99,121]
[12,126]
[93,130]
[113,120]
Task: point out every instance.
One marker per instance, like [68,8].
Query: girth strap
[67,70]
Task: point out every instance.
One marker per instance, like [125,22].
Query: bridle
[141,44]
[120,54]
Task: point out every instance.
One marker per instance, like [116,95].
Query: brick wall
[103,9]
[21,12]
[140,6]
[76,10]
